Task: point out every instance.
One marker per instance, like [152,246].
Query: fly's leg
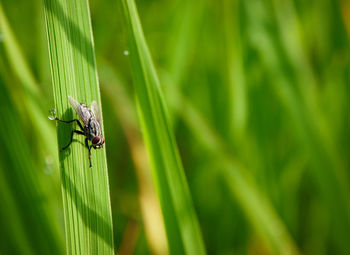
[89,148]
[70,121]
[71,138]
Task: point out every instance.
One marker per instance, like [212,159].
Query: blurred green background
[255,87]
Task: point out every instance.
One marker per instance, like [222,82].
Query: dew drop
[126,53]
[52,114]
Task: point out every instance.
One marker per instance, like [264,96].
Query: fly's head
[98,141]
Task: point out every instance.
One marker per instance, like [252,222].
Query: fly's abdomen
[94,128]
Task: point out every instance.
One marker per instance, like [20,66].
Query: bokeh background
[255,87]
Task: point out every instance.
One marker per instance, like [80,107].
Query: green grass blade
[86,197]
[113,87]
[235,69]
[179,216]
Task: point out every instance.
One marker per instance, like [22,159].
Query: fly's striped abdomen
[93,127]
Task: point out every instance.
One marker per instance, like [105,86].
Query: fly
[91,129]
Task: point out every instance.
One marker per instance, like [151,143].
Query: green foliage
[252,96]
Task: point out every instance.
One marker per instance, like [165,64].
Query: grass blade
[85,191]
[179,216]
[235,70]
[125,110]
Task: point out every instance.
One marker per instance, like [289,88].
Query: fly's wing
[96,110]
[77,107]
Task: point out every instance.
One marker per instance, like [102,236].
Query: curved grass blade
[85,190]
[113,87]
[179,216]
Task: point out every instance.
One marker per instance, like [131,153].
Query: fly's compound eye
[98,140]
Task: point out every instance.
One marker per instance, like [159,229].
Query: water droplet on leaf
[52,114]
